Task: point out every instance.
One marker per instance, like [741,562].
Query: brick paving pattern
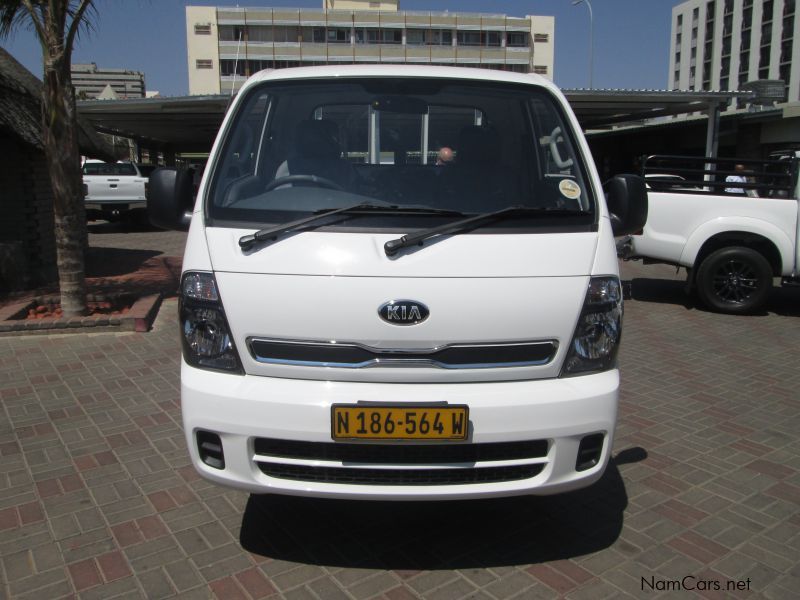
[98,499]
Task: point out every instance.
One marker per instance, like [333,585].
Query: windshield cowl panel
[360,254]
[298,148]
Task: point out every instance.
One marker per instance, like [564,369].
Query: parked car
[666,181]
[360,322]
[732,244]
[114,189]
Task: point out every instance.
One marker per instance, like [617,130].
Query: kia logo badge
[403,312]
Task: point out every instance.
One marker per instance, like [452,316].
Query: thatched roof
[21,113]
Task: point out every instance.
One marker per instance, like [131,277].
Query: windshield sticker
[569,189]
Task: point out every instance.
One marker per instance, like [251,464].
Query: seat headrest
[317,139]
[478,146]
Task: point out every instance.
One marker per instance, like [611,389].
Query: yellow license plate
[399,422]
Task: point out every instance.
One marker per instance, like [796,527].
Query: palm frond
[12,17]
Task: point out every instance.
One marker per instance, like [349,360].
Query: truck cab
[362,319]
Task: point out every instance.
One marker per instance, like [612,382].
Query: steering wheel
[313,179]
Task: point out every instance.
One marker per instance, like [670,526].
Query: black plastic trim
[409,454]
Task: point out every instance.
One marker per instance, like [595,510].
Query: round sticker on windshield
[569,189]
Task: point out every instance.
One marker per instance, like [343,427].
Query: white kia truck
[365,315]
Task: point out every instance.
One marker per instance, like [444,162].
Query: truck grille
[357,356]
[400,476]
[427,464]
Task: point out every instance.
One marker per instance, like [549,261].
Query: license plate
[399,422]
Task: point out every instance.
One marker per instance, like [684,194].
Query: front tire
[734,280]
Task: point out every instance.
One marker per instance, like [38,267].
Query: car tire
[734,280]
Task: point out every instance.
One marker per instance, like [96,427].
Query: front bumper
[241,409]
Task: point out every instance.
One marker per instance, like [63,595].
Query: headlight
[205,335]
[596,339]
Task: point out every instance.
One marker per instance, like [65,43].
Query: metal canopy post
[712,132]
[712,139]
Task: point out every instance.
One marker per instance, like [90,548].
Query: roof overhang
[598,109]
[190,123]
[187,124]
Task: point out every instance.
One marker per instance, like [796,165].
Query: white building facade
[722,44]
[91,81]
[226,45]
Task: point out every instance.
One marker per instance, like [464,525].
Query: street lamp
[591,37]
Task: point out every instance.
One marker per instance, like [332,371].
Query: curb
[139,318]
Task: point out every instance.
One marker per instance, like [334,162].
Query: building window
[280,34]
[517,39]
[542,38]
[469,38]
[338,35]
[540,69]
[381,36]
[202,29]
[226,67]
[231,33]
[414,37]
[254,66]
[478,38]
[427,37]
[440,37]
[204,63]
[767,10]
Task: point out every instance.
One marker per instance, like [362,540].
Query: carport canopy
[190,123]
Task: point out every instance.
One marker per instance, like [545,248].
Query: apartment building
[226,45]
[91,81]
[722,44]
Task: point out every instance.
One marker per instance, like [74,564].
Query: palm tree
[56,24]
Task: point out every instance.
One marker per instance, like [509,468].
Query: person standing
[737,177]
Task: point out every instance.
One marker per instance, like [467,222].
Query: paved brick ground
[98,500]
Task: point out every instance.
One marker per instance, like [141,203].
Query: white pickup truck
[733,237]
[113,189]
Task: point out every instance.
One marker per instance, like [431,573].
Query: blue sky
[631,38]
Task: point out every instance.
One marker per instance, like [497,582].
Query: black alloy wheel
[734,280]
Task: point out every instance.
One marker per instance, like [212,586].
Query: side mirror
[626,198]
[169,200]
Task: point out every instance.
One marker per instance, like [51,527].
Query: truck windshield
[295,148]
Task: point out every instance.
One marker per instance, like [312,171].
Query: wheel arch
[775,249]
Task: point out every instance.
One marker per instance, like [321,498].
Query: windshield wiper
[393,246]
[246,242]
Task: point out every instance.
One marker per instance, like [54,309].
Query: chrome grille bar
[352,355]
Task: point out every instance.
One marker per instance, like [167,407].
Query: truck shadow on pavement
[661,291]
[784,301]
[111,262]
[439,535]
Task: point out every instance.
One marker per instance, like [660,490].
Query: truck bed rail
[770,178]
